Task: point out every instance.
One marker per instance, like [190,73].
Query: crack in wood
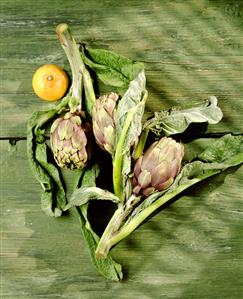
[185,138]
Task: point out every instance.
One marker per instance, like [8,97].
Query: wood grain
[193,248]
[191,50]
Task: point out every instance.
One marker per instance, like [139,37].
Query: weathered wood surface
[192,49]
[192,249]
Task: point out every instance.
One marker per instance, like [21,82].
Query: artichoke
[103,121]
[157,168]
[69,141]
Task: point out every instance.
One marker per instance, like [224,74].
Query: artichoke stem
[71,49]
[138,151]
[80,75]
[135,222]
[118,158]
[112,227]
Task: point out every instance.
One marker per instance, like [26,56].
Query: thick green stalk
[134,223]
[138,151]
[72,51]
[80,75]
[128,228]
[118,159]
[112,227]
[90,97]
[123,149]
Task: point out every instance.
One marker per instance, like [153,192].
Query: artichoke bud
[69,141]
[103,121]
[158,167]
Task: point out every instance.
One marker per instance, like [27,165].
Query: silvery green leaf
[128,124]
[130,99]
[83,195]
[177,121]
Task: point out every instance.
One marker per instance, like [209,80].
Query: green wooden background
[192,249]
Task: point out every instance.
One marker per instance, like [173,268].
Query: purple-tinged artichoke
[103,121]
[69,141]
[157,168]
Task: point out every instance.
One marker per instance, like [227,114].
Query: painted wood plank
[18,108]
[191,49]
[191,249]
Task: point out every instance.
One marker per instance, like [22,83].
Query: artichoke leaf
[86,178]
[177,121]
[128,123]
[111,68]
[53,194]
[82,195]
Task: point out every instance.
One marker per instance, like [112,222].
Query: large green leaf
[177,121]
[128,123]
[107,267]
[56,198]
[227,150]
[53,194]
[112,69]
[130,100]
[83,195]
